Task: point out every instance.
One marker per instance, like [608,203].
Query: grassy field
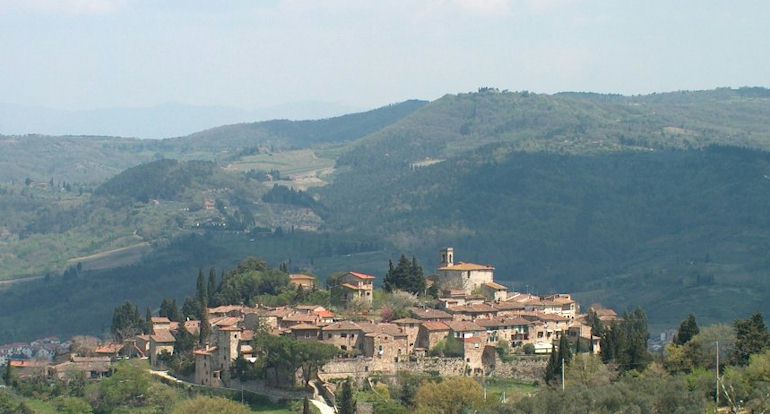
[109,259]
[301,169]
[512,388]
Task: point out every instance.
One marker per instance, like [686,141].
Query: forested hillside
[659,201]
[668,230]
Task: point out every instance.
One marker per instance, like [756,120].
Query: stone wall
[522,368]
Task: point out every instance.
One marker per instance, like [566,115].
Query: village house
[430,334]
[303,281]
[357,286]
[429,314]
[345,335]
[411,327]
[161,341]
[514,330]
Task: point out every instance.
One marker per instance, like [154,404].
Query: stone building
[345,335]
[411,327]
[306,282]
[430,334]
[356,286]
[160,341]
[467,276]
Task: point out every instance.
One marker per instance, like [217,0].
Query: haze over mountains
[160,121]
[658,201]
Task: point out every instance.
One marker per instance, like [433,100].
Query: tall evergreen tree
[346,403]
[752,338]
[126,321]
[565,352]
[306,406]
[212,287]
[687,330]
[552,366]
[148,321]
[205,329]
[200,288]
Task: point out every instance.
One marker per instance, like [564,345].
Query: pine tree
[306,406]
[752,338]
[687,330]
[346,403]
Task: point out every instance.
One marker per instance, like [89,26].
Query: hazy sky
[78,54]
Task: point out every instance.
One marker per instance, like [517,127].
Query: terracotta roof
[162,336]
[230,328]
[503,306]
[300,317]
[404,321]
[111,348]
[226,321]
[435,326]
[247,335]
[300,276]
[31,363]
[496,286]
[467,266]
[325,314]
[228,309]
[304,327]
[342,326]
[353,287]
[160,319]
[206,351]
[362,276]
[501,321]
[464,326]
[473,308]
[428,313]
[472,340]
[550,317]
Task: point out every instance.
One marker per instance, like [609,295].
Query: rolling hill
[658,201]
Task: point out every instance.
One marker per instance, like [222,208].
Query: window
[343,335]
[343,347]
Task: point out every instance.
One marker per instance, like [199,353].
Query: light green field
[112,258]
[289,163]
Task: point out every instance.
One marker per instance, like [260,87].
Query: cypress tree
[212,288]
[552,367]
[306,406]
[346,404]
[205,328]
[200,288]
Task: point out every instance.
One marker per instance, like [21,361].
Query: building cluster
[475,314]
[475,311]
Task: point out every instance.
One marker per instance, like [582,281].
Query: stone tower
[447,257]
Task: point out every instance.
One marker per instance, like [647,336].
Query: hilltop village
[473,314]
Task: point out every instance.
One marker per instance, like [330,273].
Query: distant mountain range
[161,121]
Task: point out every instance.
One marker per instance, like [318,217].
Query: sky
[88,54]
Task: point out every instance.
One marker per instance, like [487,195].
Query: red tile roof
[362,276]
[466,266]
[435,326]
[464,326]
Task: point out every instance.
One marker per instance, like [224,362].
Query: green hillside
[657,229]
[659,201]
[91,160]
